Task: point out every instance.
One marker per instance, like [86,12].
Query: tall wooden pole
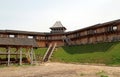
[16,53]
[31,55]
[20,56]
[8,49]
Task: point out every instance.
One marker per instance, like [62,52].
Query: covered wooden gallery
[103,32]
[15,46]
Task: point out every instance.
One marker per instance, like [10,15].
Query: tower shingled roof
[57,25]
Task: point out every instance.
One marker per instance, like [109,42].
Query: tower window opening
[114,28]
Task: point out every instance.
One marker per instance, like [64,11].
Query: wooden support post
[6,54]
[34,57]
[20,56]
[31,55]
[16,54]
[8,49]
[28,54]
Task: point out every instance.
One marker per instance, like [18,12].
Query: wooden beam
[20,56]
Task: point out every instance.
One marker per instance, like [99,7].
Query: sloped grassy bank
[105,53]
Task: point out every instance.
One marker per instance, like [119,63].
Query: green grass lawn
[105,53]
[40,51]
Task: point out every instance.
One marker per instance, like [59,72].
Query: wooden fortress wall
[105,32]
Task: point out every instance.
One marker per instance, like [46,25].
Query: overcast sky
[39,15]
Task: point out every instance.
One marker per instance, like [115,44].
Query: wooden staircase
[49,52]
[67,41]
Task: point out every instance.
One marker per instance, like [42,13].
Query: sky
[40,15]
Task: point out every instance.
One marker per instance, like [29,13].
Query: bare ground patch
[60,70]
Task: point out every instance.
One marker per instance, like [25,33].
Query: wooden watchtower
[57,28]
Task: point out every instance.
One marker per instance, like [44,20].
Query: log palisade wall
[105,32]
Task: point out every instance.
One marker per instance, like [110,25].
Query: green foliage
[105,53]
[103,76]
[100,72]
[82,74]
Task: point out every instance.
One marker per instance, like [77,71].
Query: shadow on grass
[89,48]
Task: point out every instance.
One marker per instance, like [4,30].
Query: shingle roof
[22,32]
[57,24]
[17,42]
[114,22]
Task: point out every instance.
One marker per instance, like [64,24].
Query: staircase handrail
[47,51]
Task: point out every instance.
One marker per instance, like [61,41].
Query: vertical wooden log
[31,55]
[20,56]
[88,40]
[104,37]
[34,57]
[8,49]
[95,38]
[28,55]
[16,54]
[6,54]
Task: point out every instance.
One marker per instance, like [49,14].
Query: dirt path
[60,70]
